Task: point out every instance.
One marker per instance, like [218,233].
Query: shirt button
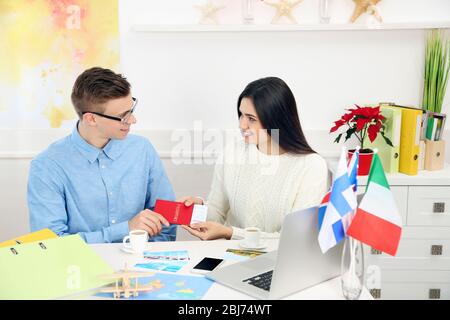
[113,221]
[110,193]
[103,167]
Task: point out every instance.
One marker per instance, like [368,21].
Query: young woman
[269,174]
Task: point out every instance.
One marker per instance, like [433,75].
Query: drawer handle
[436,250]
[434,294]
[375,251]
[376,293]
[439,207]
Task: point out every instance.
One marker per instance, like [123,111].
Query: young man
[100,182]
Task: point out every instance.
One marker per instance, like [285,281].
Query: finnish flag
[334,219]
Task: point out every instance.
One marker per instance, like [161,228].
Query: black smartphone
[206,265]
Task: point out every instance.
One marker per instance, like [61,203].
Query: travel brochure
[170,261]
[240,255]
[166,286]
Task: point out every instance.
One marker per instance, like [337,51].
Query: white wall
[183,78]
[200,75]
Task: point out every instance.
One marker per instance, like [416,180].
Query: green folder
[430,126]
[389,156]
[50,269]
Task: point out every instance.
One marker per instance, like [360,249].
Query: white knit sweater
[253,189]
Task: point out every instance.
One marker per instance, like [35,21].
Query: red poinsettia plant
[362,122]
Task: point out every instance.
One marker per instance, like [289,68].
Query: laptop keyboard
[261,281]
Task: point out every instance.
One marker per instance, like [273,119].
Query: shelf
[423,178]
[288,27]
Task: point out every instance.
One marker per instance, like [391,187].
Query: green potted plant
[362,123]
[437,67]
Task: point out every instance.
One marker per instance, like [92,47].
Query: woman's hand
[188,200]
[209,230]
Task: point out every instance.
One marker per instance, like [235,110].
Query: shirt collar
[112,150]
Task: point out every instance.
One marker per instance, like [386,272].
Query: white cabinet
[429,206]
[421,268]
[412,284]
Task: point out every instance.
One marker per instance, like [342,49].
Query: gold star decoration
[284,8]
[208,12]
[362,6]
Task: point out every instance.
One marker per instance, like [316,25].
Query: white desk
[116,258]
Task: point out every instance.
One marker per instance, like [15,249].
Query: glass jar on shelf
[324,11]
[247,11]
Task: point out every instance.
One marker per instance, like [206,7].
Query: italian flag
[377,222]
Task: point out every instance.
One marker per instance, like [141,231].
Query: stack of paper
[435,126]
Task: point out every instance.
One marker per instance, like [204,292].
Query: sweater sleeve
[314,185]
[218,202]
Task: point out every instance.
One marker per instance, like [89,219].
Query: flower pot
[364,161]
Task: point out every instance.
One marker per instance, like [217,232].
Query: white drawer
[414,264]
[428,206]
[409,284]
[420,247]
[417,248]
[412,291]
[401,198]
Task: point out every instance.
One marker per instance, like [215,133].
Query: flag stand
[352,268]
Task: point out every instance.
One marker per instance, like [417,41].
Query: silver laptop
[297,264]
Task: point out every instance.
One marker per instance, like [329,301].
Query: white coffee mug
[252,237]
[137,241]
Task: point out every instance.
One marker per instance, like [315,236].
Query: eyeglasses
[123,119]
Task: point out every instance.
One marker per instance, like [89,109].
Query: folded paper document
[170,261]
[239,254]
[179,213]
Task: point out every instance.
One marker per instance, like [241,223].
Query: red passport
[178,213]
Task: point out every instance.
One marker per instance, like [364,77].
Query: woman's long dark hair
[276,109]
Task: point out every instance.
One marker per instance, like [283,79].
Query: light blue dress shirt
[74,187]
